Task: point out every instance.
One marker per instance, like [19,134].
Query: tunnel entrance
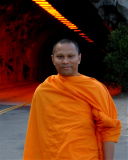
[27,35]
[25,53]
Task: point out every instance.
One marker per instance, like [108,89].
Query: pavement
[13,125]
[121,102]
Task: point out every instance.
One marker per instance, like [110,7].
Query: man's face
[66,59]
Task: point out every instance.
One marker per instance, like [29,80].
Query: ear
[79,58]
[52,58]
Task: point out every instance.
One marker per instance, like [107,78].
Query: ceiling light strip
[51,10]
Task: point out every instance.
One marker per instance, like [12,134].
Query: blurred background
[28,32]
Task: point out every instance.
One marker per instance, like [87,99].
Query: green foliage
[116,60]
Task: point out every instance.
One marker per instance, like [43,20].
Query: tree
[116,60]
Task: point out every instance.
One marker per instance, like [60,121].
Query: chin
[66,74]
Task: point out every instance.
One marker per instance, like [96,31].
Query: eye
[60,56]
[71,56]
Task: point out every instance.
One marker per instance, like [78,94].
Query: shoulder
[94,83]
[92,80]
[45,83]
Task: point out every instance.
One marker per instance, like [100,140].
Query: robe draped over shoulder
[70,118]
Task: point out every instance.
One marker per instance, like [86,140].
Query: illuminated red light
[85,37]
[77,30]
[82,34]
[51,10]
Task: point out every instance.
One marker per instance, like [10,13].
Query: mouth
[66,67]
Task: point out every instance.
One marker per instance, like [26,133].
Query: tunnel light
[51,10]
[82,34]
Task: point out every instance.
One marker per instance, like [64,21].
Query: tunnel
[28,33]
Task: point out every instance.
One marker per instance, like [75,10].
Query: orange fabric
[70,117]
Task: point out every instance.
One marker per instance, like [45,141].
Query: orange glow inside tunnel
[23,92]
[18,92]
[51,10]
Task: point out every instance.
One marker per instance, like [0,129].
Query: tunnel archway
[30,33]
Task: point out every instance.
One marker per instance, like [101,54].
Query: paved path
[13,126]
[12,133]
[122,107]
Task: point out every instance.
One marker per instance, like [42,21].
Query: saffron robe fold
[70,118]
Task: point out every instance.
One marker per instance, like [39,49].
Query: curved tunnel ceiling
[53,11]
[81,17]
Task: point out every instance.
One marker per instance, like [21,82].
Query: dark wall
[27,34]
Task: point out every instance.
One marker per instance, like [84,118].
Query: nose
[65,60]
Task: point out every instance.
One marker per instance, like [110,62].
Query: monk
[72,116]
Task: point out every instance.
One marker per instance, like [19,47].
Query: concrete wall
[123,8]
[121,5]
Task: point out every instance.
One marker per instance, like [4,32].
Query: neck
[77,74]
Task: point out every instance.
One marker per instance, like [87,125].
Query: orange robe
[70,118]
